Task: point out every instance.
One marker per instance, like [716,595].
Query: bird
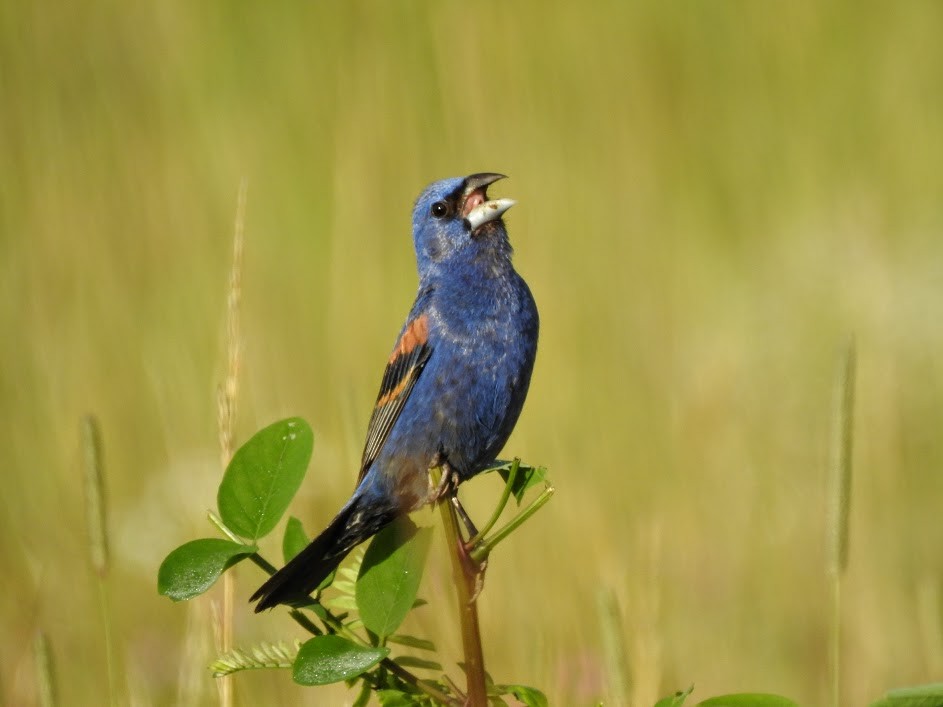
[454,384]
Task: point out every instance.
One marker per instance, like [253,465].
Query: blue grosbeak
[454,384]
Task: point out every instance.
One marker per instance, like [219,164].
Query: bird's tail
[356,522]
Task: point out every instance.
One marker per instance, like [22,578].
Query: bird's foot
[447,486]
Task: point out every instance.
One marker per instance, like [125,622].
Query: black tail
[356,522]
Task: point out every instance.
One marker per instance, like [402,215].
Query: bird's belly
[459,412]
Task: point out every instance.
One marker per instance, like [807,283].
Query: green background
[712,198]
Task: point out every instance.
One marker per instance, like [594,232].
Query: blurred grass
[712,197]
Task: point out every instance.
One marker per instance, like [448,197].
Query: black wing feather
[400,376]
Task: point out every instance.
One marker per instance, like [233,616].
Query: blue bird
[454,384]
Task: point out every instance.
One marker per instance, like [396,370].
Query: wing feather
[409,357]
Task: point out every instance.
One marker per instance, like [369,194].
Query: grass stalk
[614,649]
[226,412]
[45,679]
[839,505]
[96,522]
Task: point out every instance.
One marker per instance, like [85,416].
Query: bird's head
[454,220]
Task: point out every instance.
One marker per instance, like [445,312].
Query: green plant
[354,634]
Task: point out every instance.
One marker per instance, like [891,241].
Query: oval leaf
[412,661]
[330,658]
[294,540]
[920,696]
[530,696]
[390,575]
[264,476]
[411,641]
[397,698]
[745,699]
[192,568]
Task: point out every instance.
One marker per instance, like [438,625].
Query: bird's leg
[466,520]
[448,486]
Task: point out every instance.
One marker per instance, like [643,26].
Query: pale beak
[488,211]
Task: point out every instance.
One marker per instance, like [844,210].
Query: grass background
[712,197]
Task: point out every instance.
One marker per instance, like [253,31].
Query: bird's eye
[439,209]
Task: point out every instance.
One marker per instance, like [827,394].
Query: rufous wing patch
[416,334]
[402,371]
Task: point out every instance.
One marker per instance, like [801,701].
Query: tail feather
[356,522]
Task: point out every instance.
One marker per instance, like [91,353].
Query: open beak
[476,208]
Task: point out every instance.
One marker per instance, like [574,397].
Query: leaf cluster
[354,636]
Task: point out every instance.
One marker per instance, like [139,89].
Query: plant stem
[467,573]
[839,504]
[96,516]
[45,679]
[480,552]
[614,650]
[227,397]
[502,503]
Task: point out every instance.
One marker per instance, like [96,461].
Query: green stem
[502,503]
[305,623]
[480,552]
[45,677]
[263,564]
[467,574]
[218,522]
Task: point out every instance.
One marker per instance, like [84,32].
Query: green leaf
[398,698]
[530,696]
[326,582]
[411,641]
[295,539]
[411,661]
[526,477]
[344,602]
[675,700]
[390,575]
[920,696]
[330,658]
[318,610]
[756,699]
[264,476]
[192,568]
[346,586]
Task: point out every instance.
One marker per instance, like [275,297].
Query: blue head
[454,222]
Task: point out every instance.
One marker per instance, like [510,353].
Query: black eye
[439,209]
